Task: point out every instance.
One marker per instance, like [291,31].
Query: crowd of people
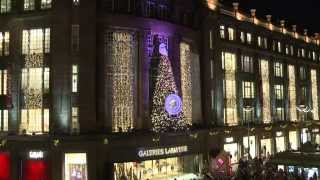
[260,169]
[257,169]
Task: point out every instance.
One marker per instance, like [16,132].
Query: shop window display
[266,149]
[252,147]
[75,166]
[233,150]
[35,170]
[293,140]
[280,144]
[186,167]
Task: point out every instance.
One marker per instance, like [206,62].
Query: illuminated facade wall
[121,51]
[229,88]
[186,81]
[292,93]
[314,91]
[35,81]
[264,70]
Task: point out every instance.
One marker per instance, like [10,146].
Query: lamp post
[248,109]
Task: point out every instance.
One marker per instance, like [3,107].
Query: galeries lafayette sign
[143,153]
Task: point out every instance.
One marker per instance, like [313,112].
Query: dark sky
[304,13]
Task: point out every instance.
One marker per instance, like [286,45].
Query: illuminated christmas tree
[166,109]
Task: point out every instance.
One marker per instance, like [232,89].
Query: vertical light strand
[266,114]
[314,89]
[121,46]
[186,81]
[230,112]
[292,93]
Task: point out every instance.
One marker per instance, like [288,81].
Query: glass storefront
[75,166]
[175,168]
[4,166]
[252,147]
[293,140]
[266,148]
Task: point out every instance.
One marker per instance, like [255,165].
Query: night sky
[304,13]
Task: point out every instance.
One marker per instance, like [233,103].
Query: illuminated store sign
[142,153]
[229,140]
[36,154]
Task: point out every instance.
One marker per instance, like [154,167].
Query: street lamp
[248,109]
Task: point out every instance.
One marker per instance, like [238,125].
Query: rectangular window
[75,166]
[279,114]
[278,69]
[231,34]
[150,8]
[273,45]
[291,50]
[302,73]
[248,89]
[259,41]
[248,115]
[29,5]
[222,32]
[279,46]
[3,82]
[314,56]
[247,64]
[278,91]
[4,43]
[75,119]
[162,10]
[36,41]
[46,4]
[249,38]
[287,49]
[46,79]
[75,71]
[4,120]
[5,6]
[242,37]
[303,53]
[265,43]
[75,41]
[35,120]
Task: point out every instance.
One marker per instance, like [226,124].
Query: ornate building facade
[78,88]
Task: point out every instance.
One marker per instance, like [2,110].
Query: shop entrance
[35,170]
[232,148]
[266,148]
[4,166]
[175,168]
[251,147]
